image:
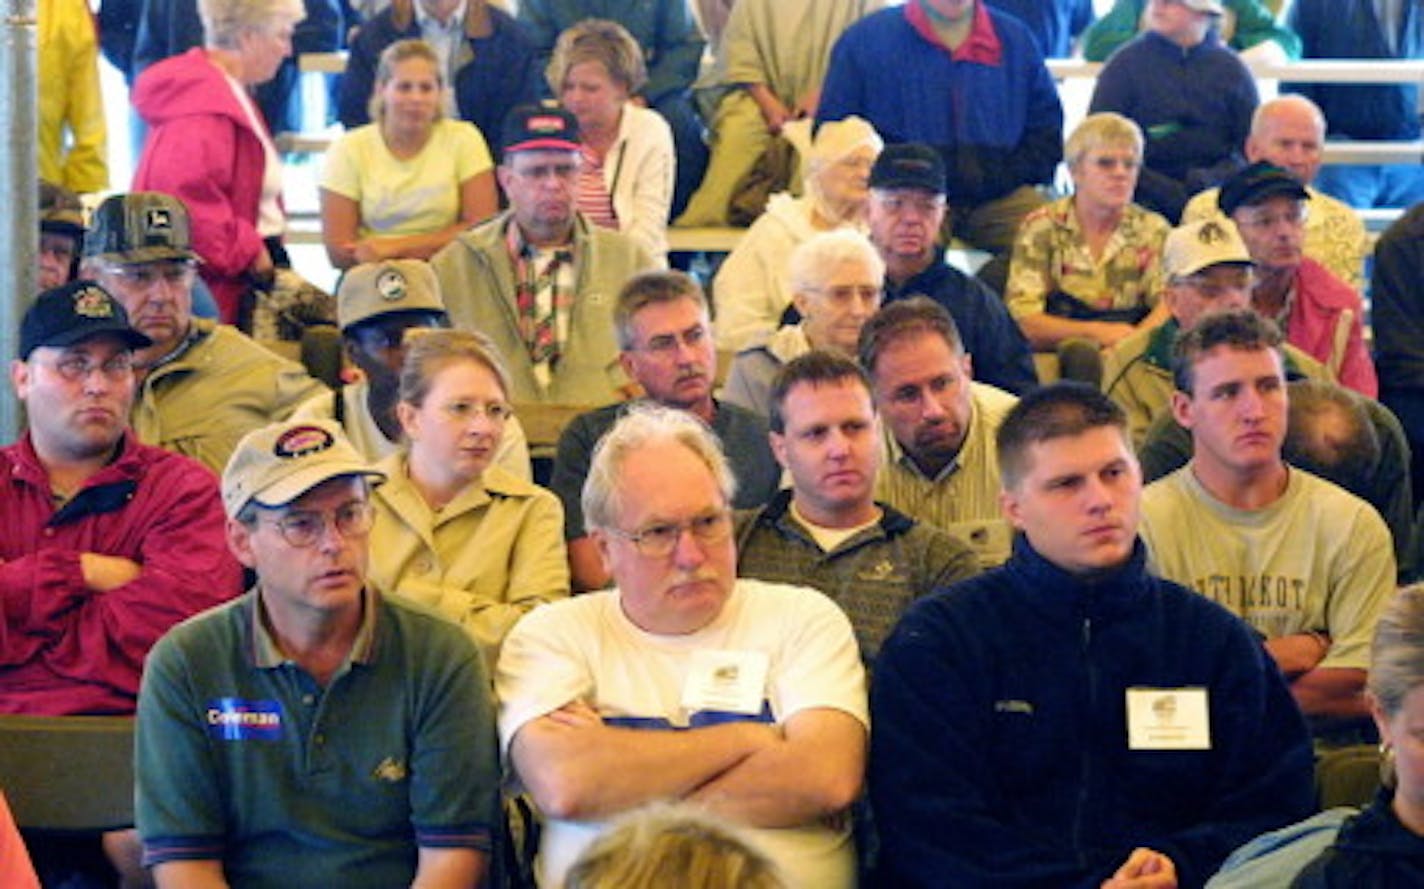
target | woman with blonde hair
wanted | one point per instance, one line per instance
(452, 531)
(405, 185)
(208, 146)
(628, 164)
(672, 845)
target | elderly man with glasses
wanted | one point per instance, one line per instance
(684, 682)
(201, 385)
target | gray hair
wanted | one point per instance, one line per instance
(640, 426)
(1263, 113)
(647, 289)
(1397, 658)
(602, 41)
(1097, 130)
(226, 20)
(816, 259)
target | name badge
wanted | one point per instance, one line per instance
(731, 681)
(1168, 719)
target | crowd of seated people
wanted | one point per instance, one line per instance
(856, 602)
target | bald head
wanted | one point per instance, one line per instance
(1289, 132)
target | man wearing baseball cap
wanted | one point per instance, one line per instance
(312, 733)
(906, 212)
(540, 280)
(1208, 269)
(201, 385)
(1318, 312)
(108, 542)
(61, 235)
(377, 305)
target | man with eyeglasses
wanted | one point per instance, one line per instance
(907, 210)
(312, 732)
(1319, 313)
(684, 682)
(540, 279)
(666, 347)
(377, 305)
(1208, 269)
(827, 530)
(201, 385)
(108, 542)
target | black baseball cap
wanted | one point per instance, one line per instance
(542, 126)
(63, 316)
(909, 165)
(1253, 184)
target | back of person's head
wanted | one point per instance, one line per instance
(643, 425)
(1062, 410)
(605, 42)
(224, 21)
(430, 350)
(1106, 129)
(815, 260)
(665, 845)
(1331, 435)
(1241, 329)
(393, 55)
(902, 318)
(647, 289)
(818, 367)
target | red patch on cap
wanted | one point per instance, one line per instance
(301, 441)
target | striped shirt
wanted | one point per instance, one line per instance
(593, 199)
(963, 498)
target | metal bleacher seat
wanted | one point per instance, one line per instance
(70, 773)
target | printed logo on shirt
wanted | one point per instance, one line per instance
(1013, 705)
(391, 770)
(238, 719)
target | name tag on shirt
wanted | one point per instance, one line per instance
(731, 681)
(1168, 719)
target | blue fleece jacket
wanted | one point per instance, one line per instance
(995, 115)
(1000, 756)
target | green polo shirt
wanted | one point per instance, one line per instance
(243, 757)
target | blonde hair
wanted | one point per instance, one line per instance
(428, 351)
(672, 845)
(602, 41)
(226, 20)
(393, 55)
(1097, 130)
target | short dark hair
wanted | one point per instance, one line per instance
(649, 288)
(816, 367)
(1242, 329)
(1059, 410)
(905, 317)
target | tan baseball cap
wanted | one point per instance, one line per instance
(276, 464)
(1198, 245)
(379, 288)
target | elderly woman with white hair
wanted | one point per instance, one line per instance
(207, 144)
(753, 289)
(837, 280)
(1089, 266)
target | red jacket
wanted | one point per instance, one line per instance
(65, 649)
(1321, 299)
(202, 148)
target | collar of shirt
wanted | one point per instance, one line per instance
(428, 23)
(981, 46)
(267, 654)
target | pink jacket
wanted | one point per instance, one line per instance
(1319, 327)
(202, 149)
(65, 649)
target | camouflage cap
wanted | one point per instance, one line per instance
(142, 226)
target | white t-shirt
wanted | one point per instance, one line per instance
(586, 649)
(1318, 559)
(411, 196)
